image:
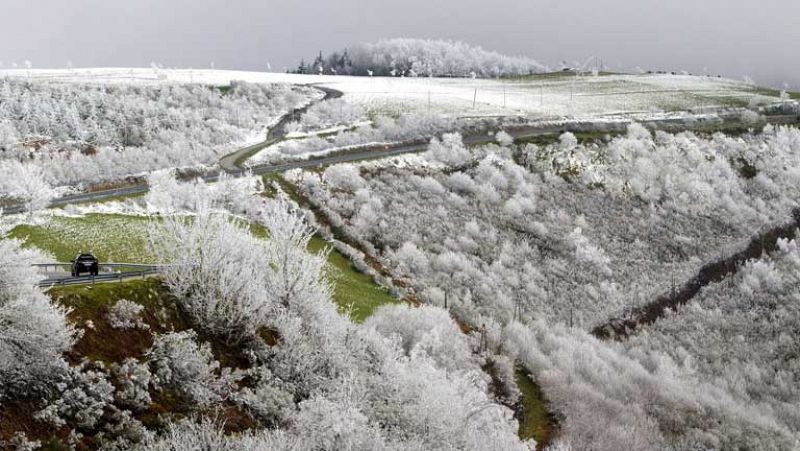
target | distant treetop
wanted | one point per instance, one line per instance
(419, 57)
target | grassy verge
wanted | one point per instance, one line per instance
(535, 421)
(354, 291)
(252, 150)
(113, 238)
(124, 238)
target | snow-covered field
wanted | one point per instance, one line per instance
(536, 96)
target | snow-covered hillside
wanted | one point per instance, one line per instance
(87, 132)
(538, 96)
(541, 244)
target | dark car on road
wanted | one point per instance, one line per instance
(85, 263)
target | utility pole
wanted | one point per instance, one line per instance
(673, 284)
(484, 341)
(541, 93)
(571, 308)
(474, 97)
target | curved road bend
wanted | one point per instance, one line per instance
(232, 161)
(521, 132)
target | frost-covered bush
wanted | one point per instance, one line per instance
(268, 399)
(132, 380)
(34, 333)
(503, 138)
(25, 183)
(343, 176)
(126, 314)
(331, 113)
(83, 133)
(428, 330)
(179, 363)
(82, 398)
(122, 432)
(505, 374)
(450, 150)
(213, 265)
(166, 195)
(20, 442)
(188, 435)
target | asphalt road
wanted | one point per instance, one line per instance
(366, 154)
(231, 162)
(374, 152)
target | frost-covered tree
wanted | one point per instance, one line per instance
(450, 150)
(178, 362)
(423, 57)
(212, 261)
(35, 333)
(428, 330)
(27, 183)
(86, 133)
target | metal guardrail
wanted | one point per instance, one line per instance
(119, 276)
(91, 280)
(102, 265)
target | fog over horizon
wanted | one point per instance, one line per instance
(729, 38)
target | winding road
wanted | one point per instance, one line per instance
(231, 163)
(231, 167)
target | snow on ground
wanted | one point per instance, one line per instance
(298, 150)
(326, 131)
(537, 96)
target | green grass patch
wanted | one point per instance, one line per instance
(247, 153)
(224, 89)
(112, 238)
(536, 422)
(122, 238)
(354, 292)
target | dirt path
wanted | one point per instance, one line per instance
(619, 329)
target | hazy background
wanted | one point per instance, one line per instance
(728, 37)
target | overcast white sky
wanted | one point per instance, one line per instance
(729, 37)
